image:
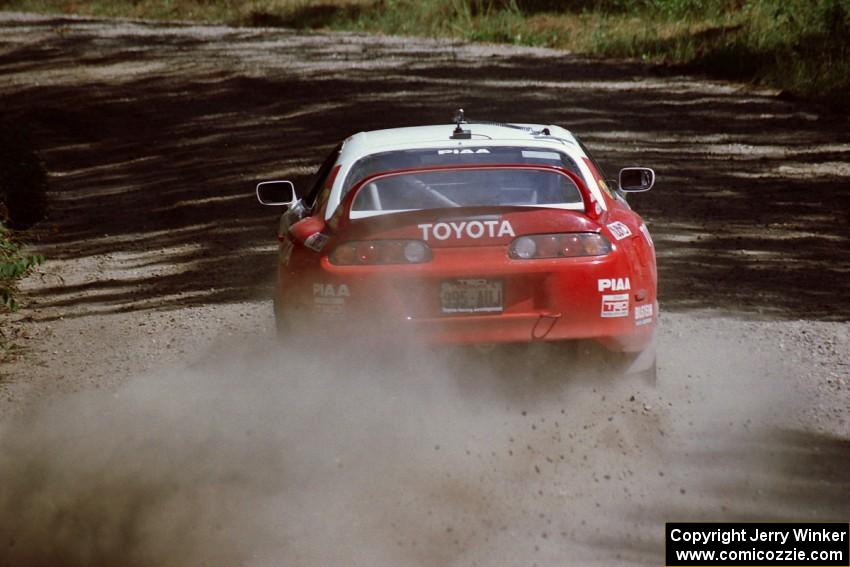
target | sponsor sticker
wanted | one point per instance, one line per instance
(615, 305)
(619, 230)
(613, 284)
(554, 156)
(316, 241)
(643, 314)
(329, 293)
(470, 229)
(645, 232)
(463, 151)
(328, 309)
(329, 299)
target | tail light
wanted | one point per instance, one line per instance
(370, 252)
(559, 246)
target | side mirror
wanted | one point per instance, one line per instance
(276, 193)
(636, 179)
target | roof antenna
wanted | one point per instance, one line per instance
(459, 133)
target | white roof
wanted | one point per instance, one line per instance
(365, 143)
(440, 136)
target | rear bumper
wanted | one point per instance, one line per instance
(477, 329)
(544, 300)
(529, 327)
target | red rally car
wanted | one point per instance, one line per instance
(469, 233)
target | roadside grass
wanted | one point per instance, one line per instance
(798, 46)
(14, 264)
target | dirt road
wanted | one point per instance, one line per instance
(152, 419)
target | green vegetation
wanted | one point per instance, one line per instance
(13, 266)
(801, 46)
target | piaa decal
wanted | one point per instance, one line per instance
(463, 151)
(330, 290)
(469, 229)
(613, 284)
(328, 299)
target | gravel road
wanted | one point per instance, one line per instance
(151, 419)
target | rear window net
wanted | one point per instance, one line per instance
(451, 188)
(411, 159)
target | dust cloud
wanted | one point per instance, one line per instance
(314, 455)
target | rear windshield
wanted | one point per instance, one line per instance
(466, 188)
(410, 159)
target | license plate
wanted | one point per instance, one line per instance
(471, 296)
